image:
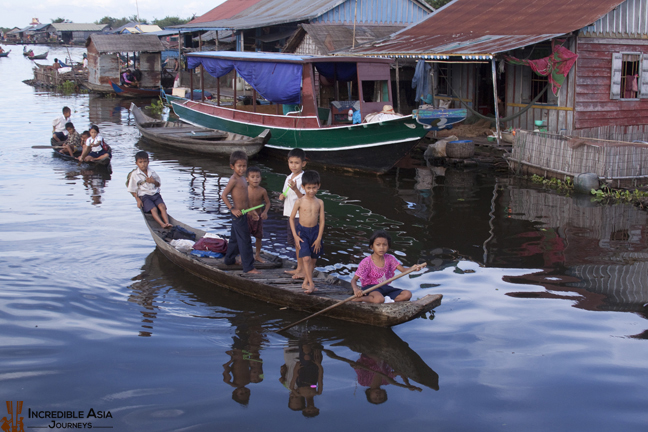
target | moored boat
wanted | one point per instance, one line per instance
(38, 56)
(318, 125)
(439, 119)
(5, 54)
(274, 286)
(134, 92)
(195, 139)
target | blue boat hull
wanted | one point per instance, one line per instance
(438, 119)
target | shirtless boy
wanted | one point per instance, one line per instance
(309, 229)
(237, 187)
(257, 196)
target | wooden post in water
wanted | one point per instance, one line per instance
(397, 88)
(497, 119)
(202, 71)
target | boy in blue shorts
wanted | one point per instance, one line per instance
(144, 185)
(308, 231)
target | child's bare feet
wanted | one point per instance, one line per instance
(253, 271)
(308, 287)
(166, 225)
(299, 275)
(259, 259)
(290, 272)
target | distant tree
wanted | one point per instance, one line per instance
(170, 21)
(118, 22)
(436, 4)
(58, 20)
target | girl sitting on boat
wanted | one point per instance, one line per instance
(94, 147)
(377, 268)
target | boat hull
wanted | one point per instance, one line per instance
(439, 119)
(374, 147)
(381, 315)
(134, 92)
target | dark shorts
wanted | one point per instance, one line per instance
(256, 227)
(291, 239)
(61, 136)
(150, 201)
(98, 154)
(308, 236)
(385, 290)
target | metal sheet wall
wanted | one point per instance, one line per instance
(374, 12)
(629, 19)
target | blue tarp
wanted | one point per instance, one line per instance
(341, 71)
(278, 82)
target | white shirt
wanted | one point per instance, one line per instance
(291, 198)
(59, 124)
(137, 183)
(95, 143)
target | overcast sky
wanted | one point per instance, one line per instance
(19, 13)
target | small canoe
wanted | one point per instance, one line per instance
(196, 139)
(39, 56)
(5, 54)
(133, 92)
(102, 163)
(438, 119)
(274, 286)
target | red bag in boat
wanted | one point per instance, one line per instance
(211, 244)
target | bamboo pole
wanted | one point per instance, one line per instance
(497, 119)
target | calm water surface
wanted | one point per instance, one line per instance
(542, 327)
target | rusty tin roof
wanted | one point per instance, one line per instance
(487, 27)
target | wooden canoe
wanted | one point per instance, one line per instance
(133, 92)
(276, 287)
(196, 139)
(5, 54)
(39, 56)
(102, 163)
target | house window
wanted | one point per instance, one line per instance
(630, 76)
(538, 83)
(443, 83)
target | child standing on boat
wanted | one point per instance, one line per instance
(377, 268)
(239, 241)
(292, 191)
(144, 185)
(309, 228)
(258, 196)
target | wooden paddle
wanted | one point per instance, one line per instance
(45, 147)
(368, 290)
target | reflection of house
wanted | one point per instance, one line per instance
(104, 63)
(604, 249)
(605, 95)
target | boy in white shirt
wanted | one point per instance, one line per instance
(144, 185)
(292, 191)
(59, 133)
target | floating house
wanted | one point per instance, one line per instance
(104, 63)
(76, 33)
(584, 72)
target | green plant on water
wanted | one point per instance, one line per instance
(156, 107)
(608, 195)
(67, 87)
(554, 183)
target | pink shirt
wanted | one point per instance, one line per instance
(370, 274)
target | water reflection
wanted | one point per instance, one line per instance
(303, 375)
(93, 178)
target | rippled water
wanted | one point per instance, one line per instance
(542, 326)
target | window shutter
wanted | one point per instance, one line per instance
(615, 87)
(643, 77)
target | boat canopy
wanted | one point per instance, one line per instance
(275, 76)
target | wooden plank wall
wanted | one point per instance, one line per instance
(595, 111)
(558, 114)
(462, 80)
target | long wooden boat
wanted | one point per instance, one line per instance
(133, 92)
(5, 54)
(39, 56)
(439, 119)
(65, 156)
(322, 129)
(276, 287)
(195, 139)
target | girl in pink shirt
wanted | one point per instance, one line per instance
(377, 268)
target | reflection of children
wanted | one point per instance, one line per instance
(243, 368)
(309, 227)
(374, 393)
(292, 191)
(257, 196)
(307, 381)
(377, 268)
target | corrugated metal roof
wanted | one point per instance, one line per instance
(329, 38)
(61, 27)
(469, 27)
(246, 14)
(125, 43)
